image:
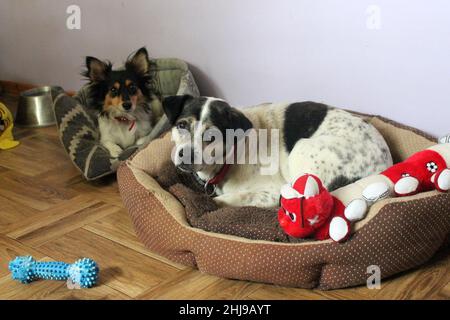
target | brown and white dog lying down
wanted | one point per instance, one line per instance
(249, 169)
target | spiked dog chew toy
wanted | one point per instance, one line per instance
(6, 126)
(308, 209)
(84, 272)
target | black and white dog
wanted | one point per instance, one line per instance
(128, 107)
(307, 137)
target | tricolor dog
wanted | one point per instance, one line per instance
(127, 106)
(307, 137)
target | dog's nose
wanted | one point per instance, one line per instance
(126, 105)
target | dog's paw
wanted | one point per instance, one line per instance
(142, 141)
(114, 150)
(222, 202)
(228, 200)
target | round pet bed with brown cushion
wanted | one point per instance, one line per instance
(247, 244)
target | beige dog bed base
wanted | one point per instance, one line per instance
(397, 234)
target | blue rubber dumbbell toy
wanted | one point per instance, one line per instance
(84, 272)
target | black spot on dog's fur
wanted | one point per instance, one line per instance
(340, 181)
(179, 107)
(301, 121)
(225, 117)
(194, 108)
(173, 106)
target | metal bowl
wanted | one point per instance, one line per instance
(36, 107)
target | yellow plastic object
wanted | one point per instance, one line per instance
(6, 126)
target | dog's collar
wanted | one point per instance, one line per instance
(210, 185)
(125, 120)
(218, 178)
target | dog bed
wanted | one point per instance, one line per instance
(177, 221)
(78, 128)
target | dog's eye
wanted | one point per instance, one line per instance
(114, 92)
(132, 89)
(182, 125)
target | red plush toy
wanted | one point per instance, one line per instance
(308, 209)
(424, 171)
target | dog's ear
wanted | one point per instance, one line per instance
(97, 70)
(173, 105)
(238, 120)
(139, 62)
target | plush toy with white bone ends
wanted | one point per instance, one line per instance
(309, 210)
(423, 171)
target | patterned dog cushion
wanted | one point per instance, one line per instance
(78, 128)
(178, 223)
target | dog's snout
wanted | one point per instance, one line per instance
(187, 156)
(126, 105)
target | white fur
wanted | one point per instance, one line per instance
(117, 136)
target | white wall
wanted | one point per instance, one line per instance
(251, 51)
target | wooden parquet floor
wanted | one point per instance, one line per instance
(47, 210)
